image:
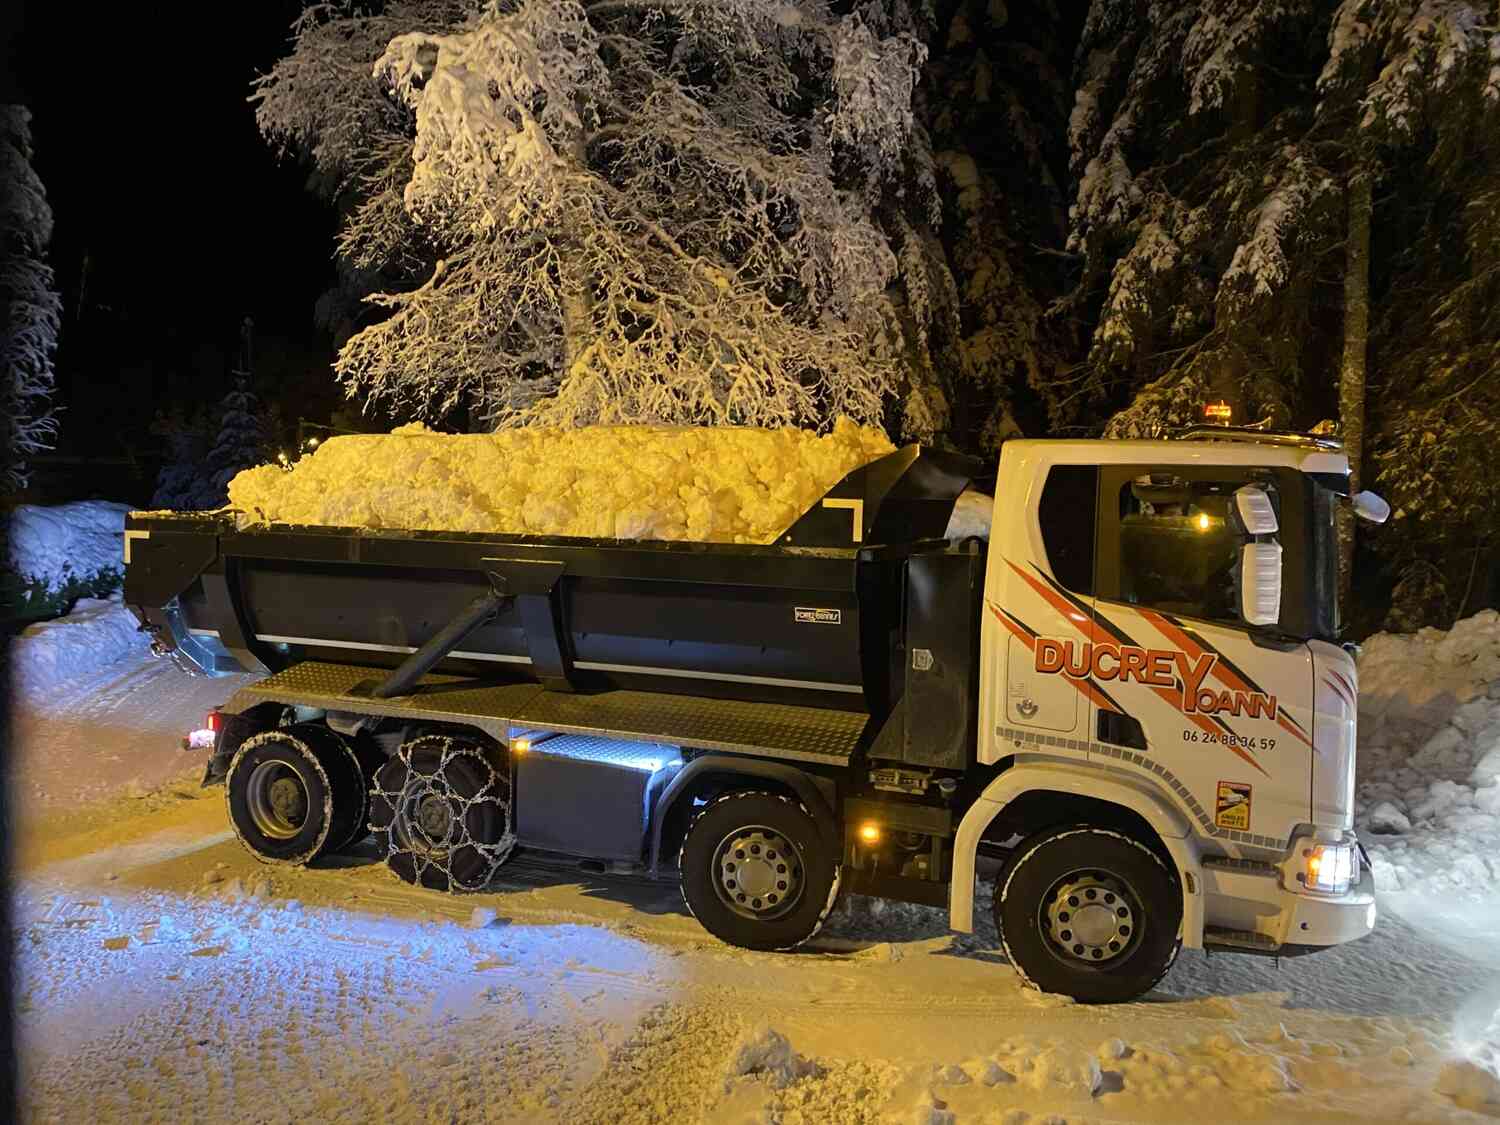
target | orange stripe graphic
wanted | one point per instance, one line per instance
(1224, 675)
(1094, 633)
(1338, 690)
(1194, 650)
(1084, 687)
(1081, 622)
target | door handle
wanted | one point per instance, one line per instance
(1027, 708)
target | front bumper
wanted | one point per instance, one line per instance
(1262, 908)
(1324, 920)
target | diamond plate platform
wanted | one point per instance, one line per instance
(807, 734)
(436, 697)
(761, 729)
(626, 754)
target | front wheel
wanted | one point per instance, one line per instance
(756, 871)
(1089, 913)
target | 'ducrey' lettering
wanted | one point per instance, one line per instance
(1106, 661)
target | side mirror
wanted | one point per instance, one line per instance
(1260, 583)
(1368, 506)
(1255, 510)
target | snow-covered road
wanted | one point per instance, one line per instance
(165, 975)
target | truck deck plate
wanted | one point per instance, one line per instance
(437, 697)
(763, 729)
(808, 734)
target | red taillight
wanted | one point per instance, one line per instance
(214, 722)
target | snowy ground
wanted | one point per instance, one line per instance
(165, 975)
(99, 716)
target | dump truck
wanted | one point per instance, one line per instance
(1131, 693)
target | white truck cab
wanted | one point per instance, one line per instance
(1159, 634)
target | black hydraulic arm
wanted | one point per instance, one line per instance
(481, 610)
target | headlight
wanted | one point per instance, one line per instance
(1330, 869)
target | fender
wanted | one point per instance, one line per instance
(810, 791)
(1084, 781)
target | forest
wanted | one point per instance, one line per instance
(967, 220)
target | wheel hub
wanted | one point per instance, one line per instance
(287, 799)
(435, 818)
(759, 873)
(1092, 917)
(276, 798)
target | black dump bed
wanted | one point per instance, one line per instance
(826, 617)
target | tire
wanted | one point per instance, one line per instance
(1089, 913)
(440, 812)
(758, 831)
(352, 823)
(294, 794)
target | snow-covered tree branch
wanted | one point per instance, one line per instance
(621, 211)
(33, 309)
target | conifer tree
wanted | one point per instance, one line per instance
(32, 307)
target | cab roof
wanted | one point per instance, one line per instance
(1303, 452)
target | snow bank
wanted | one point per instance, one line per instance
(726, 484)
(51, 545)
(95, 634)
(1428, 775)
(764, 1051)
(972, 513)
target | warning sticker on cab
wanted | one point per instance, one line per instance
(1232, 806)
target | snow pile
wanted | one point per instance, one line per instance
(1471, 1086)
(54, 545)
(98, 632)
(725, 484)
(972, 513)
(1428, 780)
(766, 1052)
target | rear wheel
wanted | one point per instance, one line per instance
(1089, 913)
(756, 871)
(440, 812)
(294, 794)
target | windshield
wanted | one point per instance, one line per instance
(1178, 546)
(1171, 540)
(1323, 562)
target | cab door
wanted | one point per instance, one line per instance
(1219, 711)
(1038, 594)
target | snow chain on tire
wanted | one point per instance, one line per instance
(429, 807)
(740, 794)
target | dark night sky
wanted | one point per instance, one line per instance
(150, 156)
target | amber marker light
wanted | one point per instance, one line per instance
(869, 832)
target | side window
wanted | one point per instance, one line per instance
(1179, 545)
(1066, 514)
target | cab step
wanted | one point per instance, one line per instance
(1239, 941)
(1241, 866)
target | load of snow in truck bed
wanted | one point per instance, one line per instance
(722, 484)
